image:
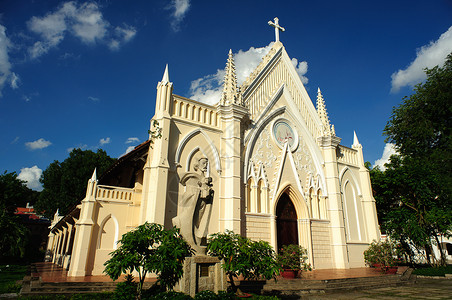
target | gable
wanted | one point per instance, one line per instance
(275, 73)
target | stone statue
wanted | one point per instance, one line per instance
(195, 206)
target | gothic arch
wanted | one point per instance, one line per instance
(189, 136)
(297, 199)
(342, 174)
(109, 218)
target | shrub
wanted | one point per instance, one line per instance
(385, 253)
(293, 257)
(242, 256)
(150, 249)
(206, 295)
(126, 290)
(170, 295)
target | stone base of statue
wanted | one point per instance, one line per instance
(202, 273)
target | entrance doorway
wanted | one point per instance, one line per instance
(286, 222)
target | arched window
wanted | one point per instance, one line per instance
(249, 194)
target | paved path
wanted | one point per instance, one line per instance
(422, 289)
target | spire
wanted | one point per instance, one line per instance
(94, 177)
(165, 78)
(231, 93)
(355, 140)
(321, 111)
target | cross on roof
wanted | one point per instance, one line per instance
(277, 28)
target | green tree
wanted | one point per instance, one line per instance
(413, 193)
(13, 193)
(65, 183)
(150, 249)
(242, 256)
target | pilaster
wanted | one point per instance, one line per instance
(231, 117)
(155, 180)
(84, 230)
(370, 210)
(329, 145)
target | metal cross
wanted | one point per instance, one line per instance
(277, 28)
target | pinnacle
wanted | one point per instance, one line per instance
(231, 92)
(165, 78)
(323, 115)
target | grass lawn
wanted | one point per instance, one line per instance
(9, 274)
(441, 271)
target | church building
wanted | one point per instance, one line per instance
(263, 162)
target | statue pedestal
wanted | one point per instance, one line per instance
(202, 273)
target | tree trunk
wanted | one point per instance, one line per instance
(442, 261)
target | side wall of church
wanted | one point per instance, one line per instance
(113, 220)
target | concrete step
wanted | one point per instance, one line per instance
(34, 286)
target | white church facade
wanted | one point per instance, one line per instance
(263, 162)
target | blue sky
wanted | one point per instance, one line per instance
(83, 73)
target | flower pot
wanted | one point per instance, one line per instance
(289, 274)
(377, 266)
(391, 270)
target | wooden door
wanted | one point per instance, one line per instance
(286, 222)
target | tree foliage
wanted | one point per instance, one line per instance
(13, 235)
(413, 193)
(150, 249)
(242, 256)
(65, 183)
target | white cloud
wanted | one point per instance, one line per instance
(104, 141)
(301, 68)
(129, 149)
(15, 80)
(80, 146)
(428, 56)
(122, 36)
(131, 140)
(95, 99)
(88, 23)
(31, 177)
(84, 21)
(38, 144)
(5, 64)
(15, 140)
(387, 152)
(179, 8)
(209, 88)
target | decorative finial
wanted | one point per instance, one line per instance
(277, 28)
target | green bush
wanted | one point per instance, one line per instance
(126, 290)
(206, 295)
(171, 295)
(385, 253)
(241, 256)
(9, 274)
(91, 296)
(261, 297)
(293, 257)
(440, 271)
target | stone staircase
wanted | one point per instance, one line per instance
(283, 288)
(296, 288)
(33, 286)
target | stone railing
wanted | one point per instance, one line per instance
(347, 156)
(195, 111)
(111, 193)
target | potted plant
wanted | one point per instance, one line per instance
(292, 259)
(384, 255)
